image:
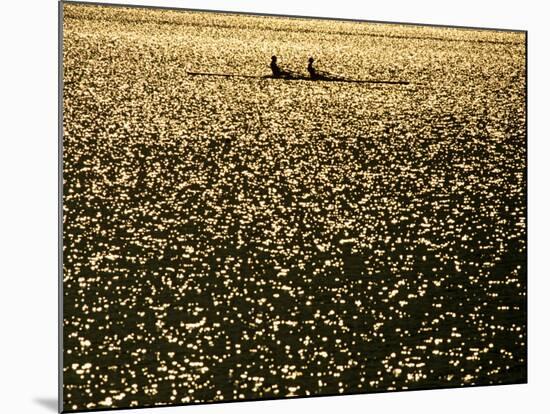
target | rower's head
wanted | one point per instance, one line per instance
(274, 58)
(310, 60)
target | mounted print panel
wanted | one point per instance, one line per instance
(259, 207)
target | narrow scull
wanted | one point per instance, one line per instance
(298, 77)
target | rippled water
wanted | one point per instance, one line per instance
(230, 238)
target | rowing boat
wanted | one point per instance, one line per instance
(298, 78)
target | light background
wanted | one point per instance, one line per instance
(28, 204)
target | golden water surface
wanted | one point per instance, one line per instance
(234, 238)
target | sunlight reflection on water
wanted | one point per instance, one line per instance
(254, 238)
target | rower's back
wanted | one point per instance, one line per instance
(274, 67)
(311, 70)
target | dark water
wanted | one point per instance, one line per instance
(243, 239)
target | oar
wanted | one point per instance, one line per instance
(225, 75)
(344, 79)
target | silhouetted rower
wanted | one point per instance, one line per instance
(277, 71)
(311, 69)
